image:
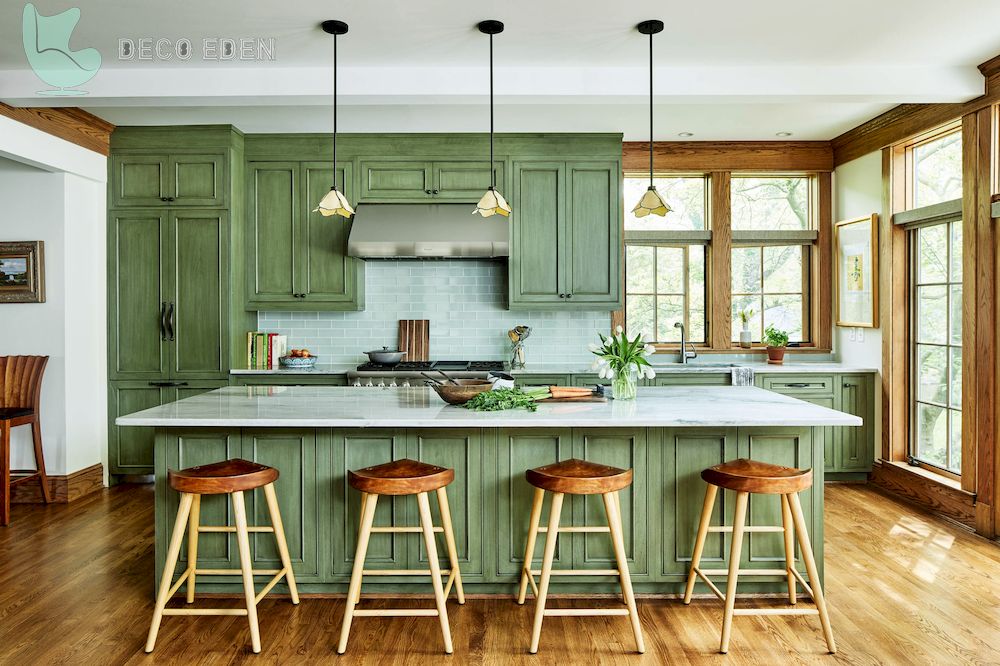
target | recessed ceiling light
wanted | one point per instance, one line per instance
(782, 134)
(685, 134)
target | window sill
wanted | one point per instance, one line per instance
(664, 349)
(925, 474)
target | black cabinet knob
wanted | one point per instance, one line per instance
(562, 295)
(164, 199)
(427, 191)
(569, 295)
(437, 191)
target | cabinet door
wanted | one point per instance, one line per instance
(592, 248)
(589, 379)
(137, 294)
(328, 274)
(139, 180)
(383, 179)
(519, 450)
(198, 180)
(130, 450)
(855, 444)
(692, 378)
(199, 286)
(465, 181)
(535, 268)
(830, 442)
(541, 380)
(273, 214)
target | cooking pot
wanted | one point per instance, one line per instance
(386, 356)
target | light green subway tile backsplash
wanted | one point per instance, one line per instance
(465, 302)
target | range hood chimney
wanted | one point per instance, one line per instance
(426, 231)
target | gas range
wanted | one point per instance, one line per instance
(408, 373)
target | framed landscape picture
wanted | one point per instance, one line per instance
(22, 272)
(856, 271)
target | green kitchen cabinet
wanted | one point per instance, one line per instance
(296, 258)
(589, 379)
(541, 379)
(169, 291)
(287, 380)
(465, 180)
(565, 236)
(176, 179)
(690, 379)
(855, 445)
(417, 180)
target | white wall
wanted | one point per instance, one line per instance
(55, 191)
(858, 192)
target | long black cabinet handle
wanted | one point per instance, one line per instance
(167, 384)
(802, 385)
(170, 321)
(163, 320)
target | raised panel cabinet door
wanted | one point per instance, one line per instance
(465, 181)
(139, 180)
(589, 379)
(624, 448)
(198, 180)
(198, 309)
(273, 211)
(685, 453)
(138, 294)
(384, 179)
(356, 449)
(293, 453)
(535, 379)
(328, 274)
(519, 450)
(831, 444)
(535, 267)
(460, 450)
(855, 444)
(692, 379)
(130, 450)
(593, 245)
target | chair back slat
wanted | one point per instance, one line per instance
(21, 380)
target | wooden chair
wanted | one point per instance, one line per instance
(231, 477)
(20, 398)
(745, 477)
(404, 477)
(576, 477)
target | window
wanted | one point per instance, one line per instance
(936, 345)
(770, 203)
(665, 260)
(936, 170)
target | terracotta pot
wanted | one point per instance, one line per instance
(776, 355)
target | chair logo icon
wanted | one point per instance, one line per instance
(46, 44)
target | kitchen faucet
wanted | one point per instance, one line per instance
(685, 354)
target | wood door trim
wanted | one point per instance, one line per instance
(68, 123)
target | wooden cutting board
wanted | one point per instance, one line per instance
(588, 398)
(415, 339)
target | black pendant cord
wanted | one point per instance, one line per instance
(493, 175)
(334, 112)
(651, 110)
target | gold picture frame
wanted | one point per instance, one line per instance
(855, 278)
(22, 272)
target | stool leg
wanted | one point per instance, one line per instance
(279, 538)
(361, 522)
(4, 473)
(449, 539)
(192, 554)
(617, 540)
(699, 542)
(529, 548)
(173, 550)
(43, 479)
(739, 522)
(246, 567)
(786, 523)
(427, 523)
(543, 585)
(807, 555)
(354, 591)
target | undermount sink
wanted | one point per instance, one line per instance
(694, 366)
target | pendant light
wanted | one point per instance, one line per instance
(334, 203)
(651, 201)
(492, 202)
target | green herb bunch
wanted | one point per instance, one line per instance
(775, 337)
(508, 398)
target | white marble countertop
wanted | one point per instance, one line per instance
(347, 407)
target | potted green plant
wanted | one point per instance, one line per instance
(622, 361)
(746, 337)
(776, 341)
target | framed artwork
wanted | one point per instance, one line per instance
(856, 271)
(22, 272)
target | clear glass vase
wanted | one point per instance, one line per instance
(623, 386)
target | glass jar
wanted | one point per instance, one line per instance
(623, 386)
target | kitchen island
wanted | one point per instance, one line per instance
(313, 435)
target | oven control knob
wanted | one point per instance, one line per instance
(406, 383)
(392, 383)
(381, 383)
(357, 382)
(369, 384)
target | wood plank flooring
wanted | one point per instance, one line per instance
(903, 587)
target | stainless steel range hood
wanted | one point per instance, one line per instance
(426, 231)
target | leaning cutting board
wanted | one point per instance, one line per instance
(415, 339)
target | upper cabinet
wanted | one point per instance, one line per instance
(393, 180)
(296, 258)
(565, 235)
(169, 179)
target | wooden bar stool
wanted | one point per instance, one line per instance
(404, 477)
(745, 477)
(20, 398)
(233, 478)
(576, 477)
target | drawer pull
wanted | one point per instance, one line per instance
(168, 384)
(802, 384)
(849, 385)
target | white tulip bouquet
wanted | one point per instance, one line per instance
(622, 360)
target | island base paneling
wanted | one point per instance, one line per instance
(490, 501)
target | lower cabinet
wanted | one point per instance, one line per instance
(288, 380)
(690, 378)
(541, 379)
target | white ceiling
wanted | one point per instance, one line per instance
(725, 70)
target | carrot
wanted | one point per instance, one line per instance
(569, 392)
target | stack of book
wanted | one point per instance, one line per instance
(264, 350)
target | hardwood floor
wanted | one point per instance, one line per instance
(903, 587)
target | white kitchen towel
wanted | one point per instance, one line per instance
(742, 376)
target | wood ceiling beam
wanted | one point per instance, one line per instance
(68, 123)
(705, 156)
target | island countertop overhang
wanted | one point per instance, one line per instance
(419, 407)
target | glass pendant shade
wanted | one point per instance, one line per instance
(651, 203)
(334, 203)
(492, 204)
